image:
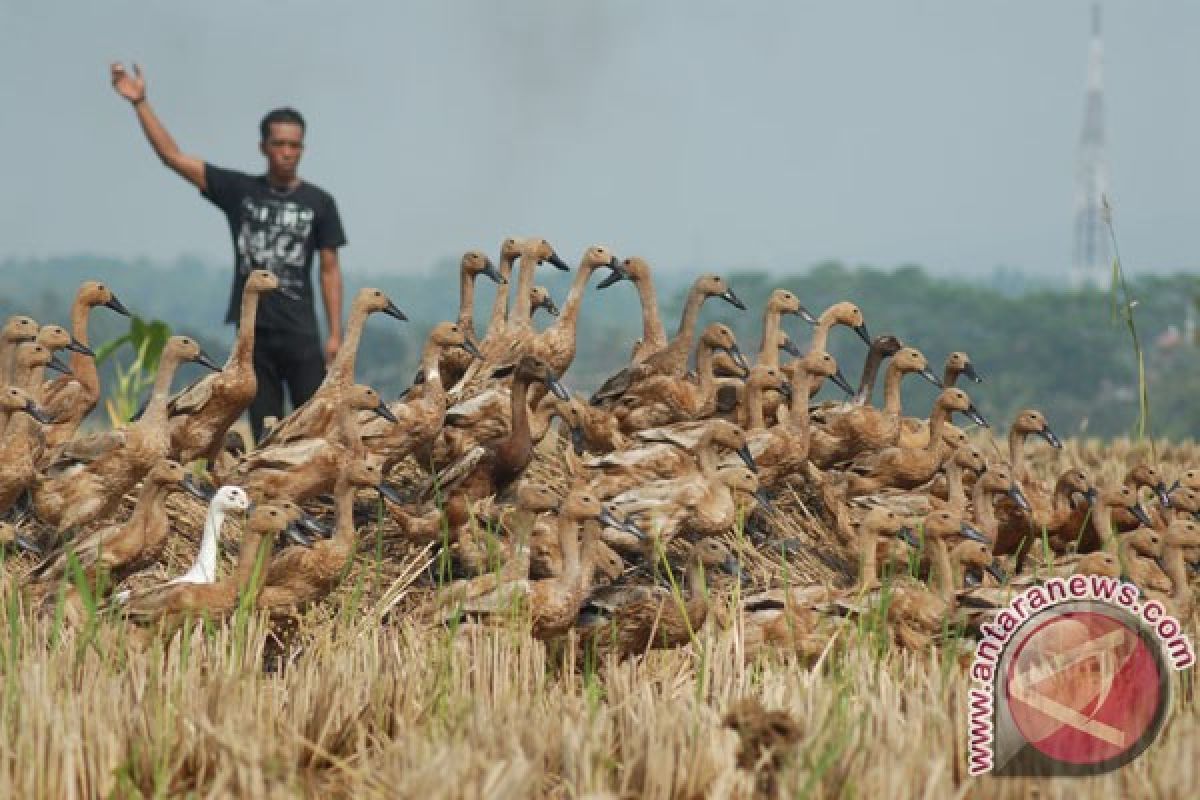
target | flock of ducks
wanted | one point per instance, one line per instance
(672, 469)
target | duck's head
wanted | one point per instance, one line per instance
(582, 504)
(1099, 563)
(55, 337)
(476, 262)
(959, 363)
(19, 328)
(957, 400)
(821, 365)
(783, 301)
(536, 497)
(732, 437)
(764, 376)
(1125, 497)
(942, 524)
(370, 300)
(539, 298)
(14, 399)
(260, 281)
(361, 397)
(1030, 420)
(450, 334)
(712, 285)
(977, 555)
(300, 523)
(850, 315)
(1075, 481)
(542, 251)
(634, 269)
(886, 345)
(167, 473)
(95, 293)
(998, 479)
(231, 500)
(1145, 542)
(884, 522)
(185, 348)
(1182, 533)
(10, 536)
(718, 336)
(784, 342)
(598, 256)
(1186, 500)
(970, 457)
(1145, 475)
(910, 359)
(532, 368)
(713, 553)
(271, 521)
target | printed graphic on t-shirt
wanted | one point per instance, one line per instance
(272, 237)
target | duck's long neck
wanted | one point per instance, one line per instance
(520, 411)
(431, 357)
(1016, 450)
(523, 310)
(891, 389)
(697, 601)
(568, 541)
(687, 323)
(206, 558)
(956, 495)
(8, 350)
(343, 508)
(250, 576)
(768, 352)
(243, 348)
(945, 571)
(870, 372)
(653, 332)
(1175, 566)
(1102, 524)
(341, 371)
(543, 415)
(754, 408)
(985, 513)
(149, 503)
(705, 376)
(950, 376)
(498, 321)
(155, 415)
(825, 323)
(798, 419)
(868, 560)
(83, 367)
(349, 432)
(568, 318)
(466, 301)
(1062, 496)
(937, 421)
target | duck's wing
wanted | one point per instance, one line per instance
(606, 601)
(501, 600)
(682, 434)
(455, 474)
(489, 403)
(86, 449)
(313, 418)
(193, 398)
(87, 550)
(283, 456)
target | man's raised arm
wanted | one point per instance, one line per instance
(133, 88)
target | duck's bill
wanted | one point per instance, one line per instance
(969, 371)
(747, 457)
(1140, 514)
(1050, 437)
(1174, 486)
(578, 443)
(313, 525)
(1164, 496)
(789, 347)
(970, 532)
(558, 263)
(787, 391)
(928, 375)
(997, 572)
(203, 360)
(729, 297)
(863, 334)
(909, 537)
(405, 393)
(57, 365)
(738, 357)
(976, 417)
(733, 567)
(77, 346)
(839, 380)
(471, 348)
(38, 413)
(971, 580)
(764, 500)
(490, 270)
(806, 315)
(1091, 495)
(606, 518)
(383, 411)
(392, 311)
(1019, 498)
(197, 489)
(617, 275)
(633, 530)
(117, 306)
(559, 390)
(550, 308)
(298, 536)
(389, 493)
(27, 545)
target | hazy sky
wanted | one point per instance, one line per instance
(699, 134)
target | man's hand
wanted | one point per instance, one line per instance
(131, 87)
(332, 345)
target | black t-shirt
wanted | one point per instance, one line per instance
(276, 230)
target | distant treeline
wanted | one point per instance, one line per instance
(1065, 352)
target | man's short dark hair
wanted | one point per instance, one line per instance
(287, 116)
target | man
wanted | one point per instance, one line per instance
(277, 221)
